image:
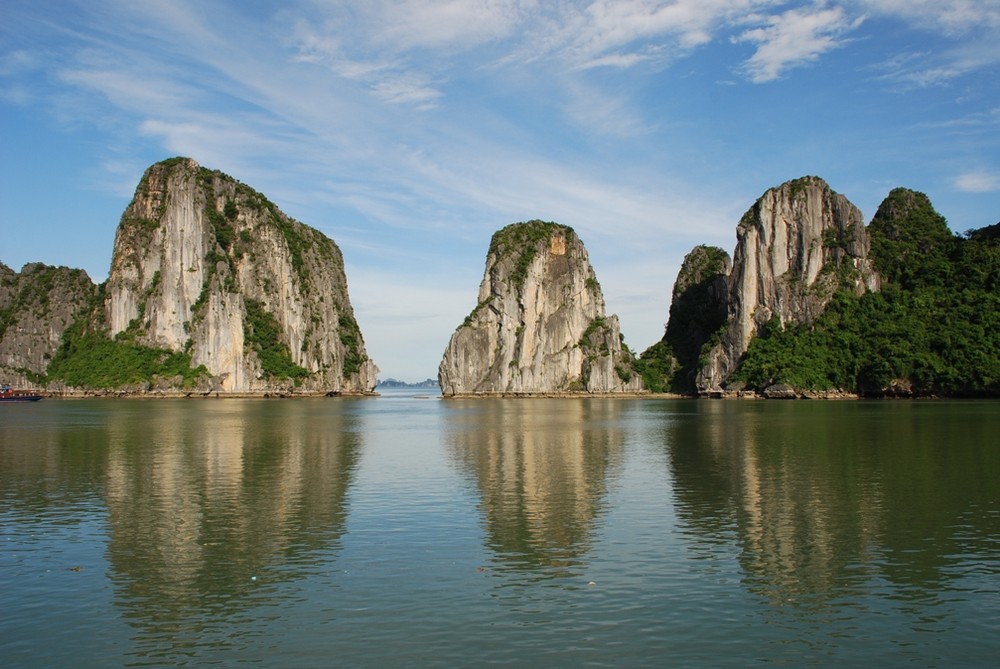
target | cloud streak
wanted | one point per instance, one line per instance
(793, 39)
(978, 182)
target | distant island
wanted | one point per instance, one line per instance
(396, 383)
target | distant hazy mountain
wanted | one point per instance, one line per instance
(396, 383)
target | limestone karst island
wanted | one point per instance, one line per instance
(214, 291)
(211, 289)
(539, 326)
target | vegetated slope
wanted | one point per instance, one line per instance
(933, 329)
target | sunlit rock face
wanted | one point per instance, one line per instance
(794, 247)
(539, 325)
(205, 264)
(37, 304)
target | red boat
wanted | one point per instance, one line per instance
(8, 394)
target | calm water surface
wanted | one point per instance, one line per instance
(411, 531)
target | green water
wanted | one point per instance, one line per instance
(411, 531)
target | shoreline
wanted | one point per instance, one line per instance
(196, 395)
(746, 395)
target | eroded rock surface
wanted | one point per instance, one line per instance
(540, 325)
(794, 247)
(36, 307)
(204, 264)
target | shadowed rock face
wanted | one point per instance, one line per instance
(794, 247)
(539, 325)
(36, 307)
(205, 264)
(698, 308)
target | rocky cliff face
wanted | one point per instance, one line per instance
(698, 308)
(36, 307)
(539, 326)
(794, 247)
(207, 265)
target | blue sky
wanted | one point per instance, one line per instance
(410, 130)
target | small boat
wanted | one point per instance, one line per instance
(8, 394)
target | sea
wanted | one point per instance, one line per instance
(407, 530)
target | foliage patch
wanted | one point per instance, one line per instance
(89, 359)
(262, 334)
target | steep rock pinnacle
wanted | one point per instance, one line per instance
(539, 326)
(204, 264)
(794, 247)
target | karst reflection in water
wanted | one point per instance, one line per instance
(401, 531)
(834, 503)
(542, 470)
(211, 508)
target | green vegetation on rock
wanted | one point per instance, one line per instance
(658, 367)
(36, 285)
(350, 337)
(262, 334)
(522, 241)
(594, 339)
(911, 243)
(697, 314)
(87, 358)
(934, 328)
(470, 319)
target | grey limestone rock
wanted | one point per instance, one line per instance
(795, 246)
(36, 307)
(539, 326)
(202, 262)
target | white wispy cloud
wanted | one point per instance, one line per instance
(794, 38)
(980, 181)
(385, 75)
(956, 59)
(988, 120)
(18, 62)
(953, 17)
(614, 114)
(967, 30)
(626, 33)
(413, 89)
(128, 87)
(444, 24)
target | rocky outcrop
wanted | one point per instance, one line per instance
(539, 326)
(794, 248)
(36, 307)
(206, 265)
(911, 241)
(698, 308)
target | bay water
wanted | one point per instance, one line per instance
(410, 531)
